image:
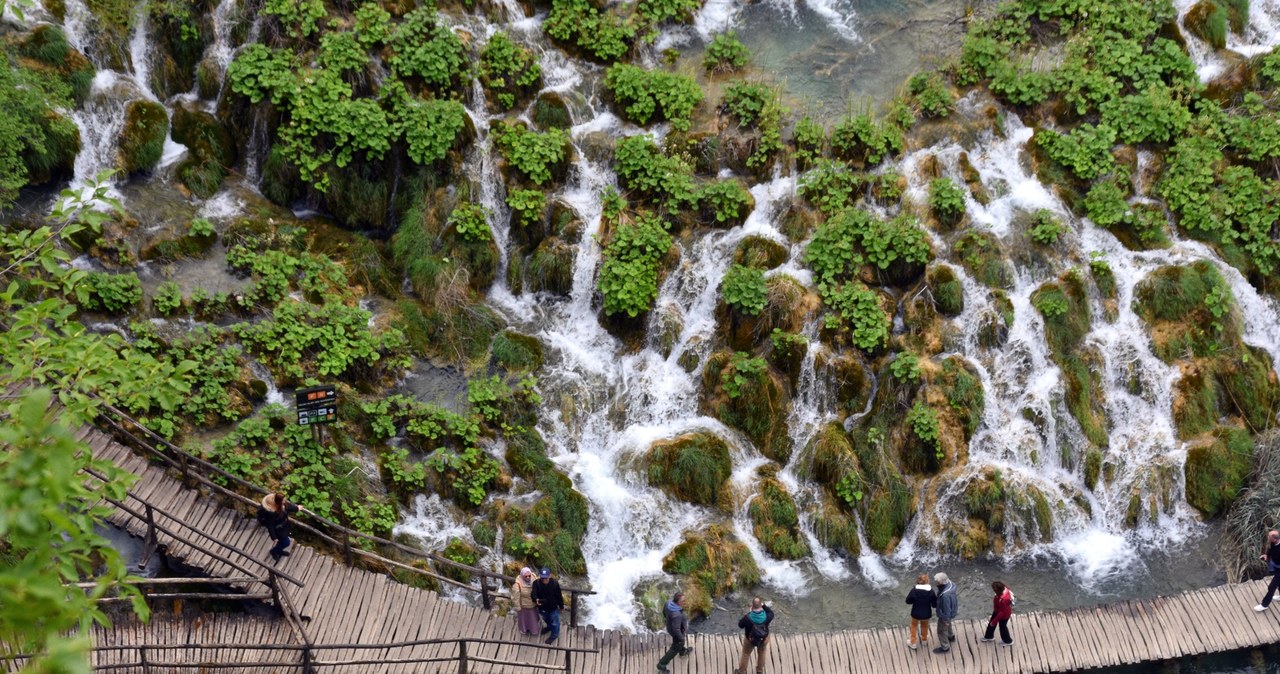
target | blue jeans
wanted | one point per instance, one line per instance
(552, 619)
(281, 543)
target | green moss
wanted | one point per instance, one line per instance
(513, 351)
(980, 253)
(886, 515)
(693, 467)
(759, 408)
(759, 252)
(832, 459)
(557, 521)
(461, 552)
(1216, 471)
(550, 267)
(1250, 385)
(836, 529)
(947, 291)
(775, 522)
(715, 561)
(964, 393)
(212, 151)
(984, 498)
(1208, 20)
(146, 123)
(1085, 396)
(1196, 403)
(1092, 466)
(1189, 310)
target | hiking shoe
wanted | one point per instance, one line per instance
(1260, 608)
(686, 651)
(663, 668)
(545, 630)
(951, 638)
(986, 639)
(549, 641)
(912, 646)
(1006, 643)
(941, 650)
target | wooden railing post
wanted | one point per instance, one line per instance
(142, 656)
(573, 610)
(462, 656)
(568, 662)
(485, 599)
(307, 667)
(186, 471)
(274, 584)
(149, 543)
(346, 549)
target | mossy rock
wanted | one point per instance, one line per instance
(947, 291)
(212, 150)
(1064, 306)
(968, 539)
(515, 352)
(851, 376)
(1249, 382)
(552, 528)
(55, 159)
(1033, 513)
(1208, 20)
(1196, 401)
(551, 112)
(1178, 304)
(1218, 469)
(775, 522)
(984, 498)
(694, 467)
(759, 252)
(360, 195)
(799, 221)
(836, 529)
(716, 563)
(45, 50)
(755, 403)
(789, 305)
(885, 514)
(1092, 467)
(550, 267)
(184, 246)
(281, 182)
(461, 552)
(982, 255)
(146, 123)
(962, 387)
(831, 459)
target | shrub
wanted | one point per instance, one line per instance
(658, 11)
(1152, 116)
(1105, 204)
(508, 71)
(858, 138)
(532, 153)
(947, 200)
(629, 273)
(1046, 228)
(744, 289)
(725, 54)
(932, 94)
(471, 222)
(527, 206)
(425, 48)
(854, 237)
(646, 93)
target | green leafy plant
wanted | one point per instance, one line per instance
(508, 70)
(168, 298)
(906, 366)
(947, 200)
(1105, 204)
(299, 18)
(424, 47)
(924, 424)
(1085, 151)
(745, 371)
(1046, 228)
(746, 101)
(471, 222)
(831, 186)
(859, 138)
(744, 289)
(725, 201)
(532, 153)
(725, 54)
(602, 34)
(431, 129)
(372, 25)
(645, 94)
(527, 206)
(629, 275)
(855, 308)
(112, 293)
(809, 137)
(202, 228)
(932, 94)
(658, 11)
(662, 180)
(342, 52)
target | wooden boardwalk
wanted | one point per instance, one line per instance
(344, 605)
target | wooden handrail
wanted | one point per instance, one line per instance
(187, 459)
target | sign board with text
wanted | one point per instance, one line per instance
(317, 405)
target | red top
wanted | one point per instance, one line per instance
(1002, 606)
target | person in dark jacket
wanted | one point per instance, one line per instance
(948, 606)
(274, 515)
(1001, 612)
(1271, 555)
(922, 600)
(755, 635)
(547, 595)
(678, 628)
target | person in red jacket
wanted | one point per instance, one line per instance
(1002, 610)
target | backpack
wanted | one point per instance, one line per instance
(1013, 601)
(265, 518)
(757, 633)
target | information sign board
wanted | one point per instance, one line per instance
(317, 405)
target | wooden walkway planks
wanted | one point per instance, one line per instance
(347, 605)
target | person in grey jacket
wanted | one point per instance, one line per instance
(948, 605)
(678, 628)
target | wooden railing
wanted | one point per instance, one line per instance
(193, 469)
(308, 658)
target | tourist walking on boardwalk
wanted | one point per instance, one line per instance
(1271, 555)
(755, 635)
(1001, 611)
(546, 594)
(678, 628)
(274, 515)
(522, 600)
(948, 605)
(922, 600)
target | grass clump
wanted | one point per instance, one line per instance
(694, 468)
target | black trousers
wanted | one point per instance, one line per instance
(1004, 629)
(1271, 589)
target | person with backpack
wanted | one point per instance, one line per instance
(948, 606)
(1271, 555)
(755, 635)
(678, 628)
(1001, 611)
(273, 513)
(922, 600)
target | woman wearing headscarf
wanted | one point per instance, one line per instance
(522, 600)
